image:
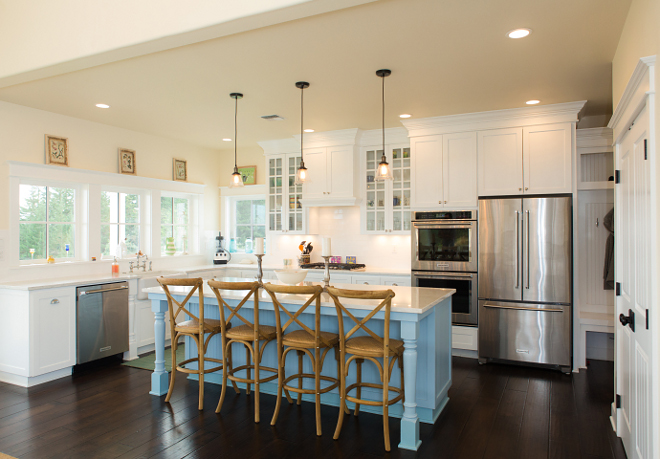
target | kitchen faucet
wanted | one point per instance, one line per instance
(139, 264)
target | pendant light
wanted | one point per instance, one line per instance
(384, 171)
(236, 177)
(302, 175)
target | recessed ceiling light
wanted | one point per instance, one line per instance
(532, 102)
(226, 140)
(102, 105)
(518, 33)
(309, 130)
(405, 115)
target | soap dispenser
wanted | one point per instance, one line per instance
(115, 268)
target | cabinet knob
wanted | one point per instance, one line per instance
(394, 284)
(526, 188)
(366, 283)
(54, 301)
(439, 202)
(445, 202)
(519, 189)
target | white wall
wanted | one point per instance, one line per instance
(93, 146)
(342, 224)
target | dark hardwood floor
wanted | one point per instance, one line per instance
(495, 411)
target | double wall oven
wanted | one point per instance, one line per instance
(444, 255)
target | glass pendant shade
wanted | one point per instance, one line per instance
(236, 179)
(301, 174)
(384, 171)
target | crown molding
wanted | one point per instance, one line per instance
(601, 137)
(639, 87)
(329, 138)
(375, 136)
(277, 147)
(513, 117)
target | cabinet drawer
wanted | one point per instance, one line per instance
(396, 281)
(367, 280)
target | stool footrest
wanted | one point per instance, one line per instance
(323, 390)
(373, 402)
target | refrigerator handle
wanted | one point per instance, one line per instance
(517, 249)
(527, 212)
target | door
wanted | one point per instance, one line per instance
(500, 249)
(427, 179)
(315, 162)
(547, 250)
(500, 162)
(547, 159)
(633, 251)
(459, 167)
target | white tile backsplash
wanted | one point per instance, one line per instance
(342, 224)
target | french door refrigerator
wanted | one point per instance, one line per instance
(525, 280)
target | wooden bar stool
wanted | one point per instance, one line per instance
(371, 347)
(250, 334)
(196, 328)
(302, 341)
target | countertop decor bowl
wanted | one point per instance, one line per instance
(291, 276)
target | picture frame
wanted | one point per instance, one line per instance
(180, 170)
(127, 161)
(249, 174)
(57, 150)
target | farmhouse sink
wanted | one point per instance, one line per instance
(149, 279)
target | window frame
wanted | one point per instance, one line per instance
(192, 226)
(80, 190)
(232, 224)
(144, 219)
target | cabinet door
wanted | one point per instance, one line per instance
(499, 157)
(294, 211)
(459, 167)
(376, 195)
(53, 330)
(315, 162)
(427, 179)
(401, 184)
(275, 193)
(340, 171)
(547, 159)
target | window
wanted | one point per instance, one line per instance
(120, 221)
(174, 219)
(47, 224)
(249, 222)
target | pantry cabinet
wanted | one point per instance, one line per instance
(529, 160)
(445, 171)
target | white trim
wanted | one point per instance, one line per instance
(329, 138)
(374, 137)
(496, 119)
(46, 172)
(250, 190)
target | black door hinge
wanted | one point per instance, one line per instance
(618, 401)
(618, 289)
(647, 319)
(646, 149)
(617, 176)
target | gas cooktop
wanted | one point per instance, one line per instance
(336, 266)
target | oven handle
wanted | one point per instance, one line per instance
(469, 225)
(494, 306)
(444, 276)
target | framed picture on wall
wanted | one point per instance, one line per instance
(57, 150)
(249, 174)
(180, 167)
(126, 161)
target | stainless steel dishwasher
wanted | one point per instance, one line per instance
(101, 320)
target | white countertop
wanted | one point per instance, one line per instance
(368, 270)
(73, 281)
(412, 300)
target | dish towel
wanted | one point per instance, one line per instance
(608, 270)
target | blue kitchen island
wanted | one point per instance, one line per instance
(421, 317)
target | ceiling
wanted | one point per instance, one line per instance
(446, 56)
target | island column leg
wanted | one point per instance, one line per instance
(410, 422)
(159, 380)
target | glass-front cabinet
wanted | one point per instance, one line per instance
(386, 207)
(285, 211)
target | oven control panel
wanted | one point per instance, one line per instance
(446, 215)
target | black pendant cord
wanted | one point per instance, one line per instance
(383, 117)
(235, 132)
(302, 91)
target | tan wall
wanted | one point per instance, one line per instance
(93, 146)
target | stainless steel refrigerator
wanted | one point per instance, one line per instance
(525, 280)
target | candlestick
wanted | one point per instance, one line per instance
(326, 272)
(260, 272)
(258, 245)
(326, 247)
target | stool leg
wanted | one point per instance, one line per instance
(173, 349)
(342, 396)
(358, 393)
(225, 369)
(300, 370)
(247, 371)
(317, 388)
(337, 355)
(280, 384)
(231, 365)
(200, 368)
(386, 394)
(257, 361)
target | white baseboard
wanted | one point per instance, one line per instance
(25, 381)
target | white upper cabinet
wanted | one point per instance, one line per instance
(459, 169)
(547, 159)
(330, 174)
(316, 164)
(427, 171)
(500, 162)
(445, 171)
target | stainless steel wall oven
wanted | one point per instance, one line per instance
(444, 255)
